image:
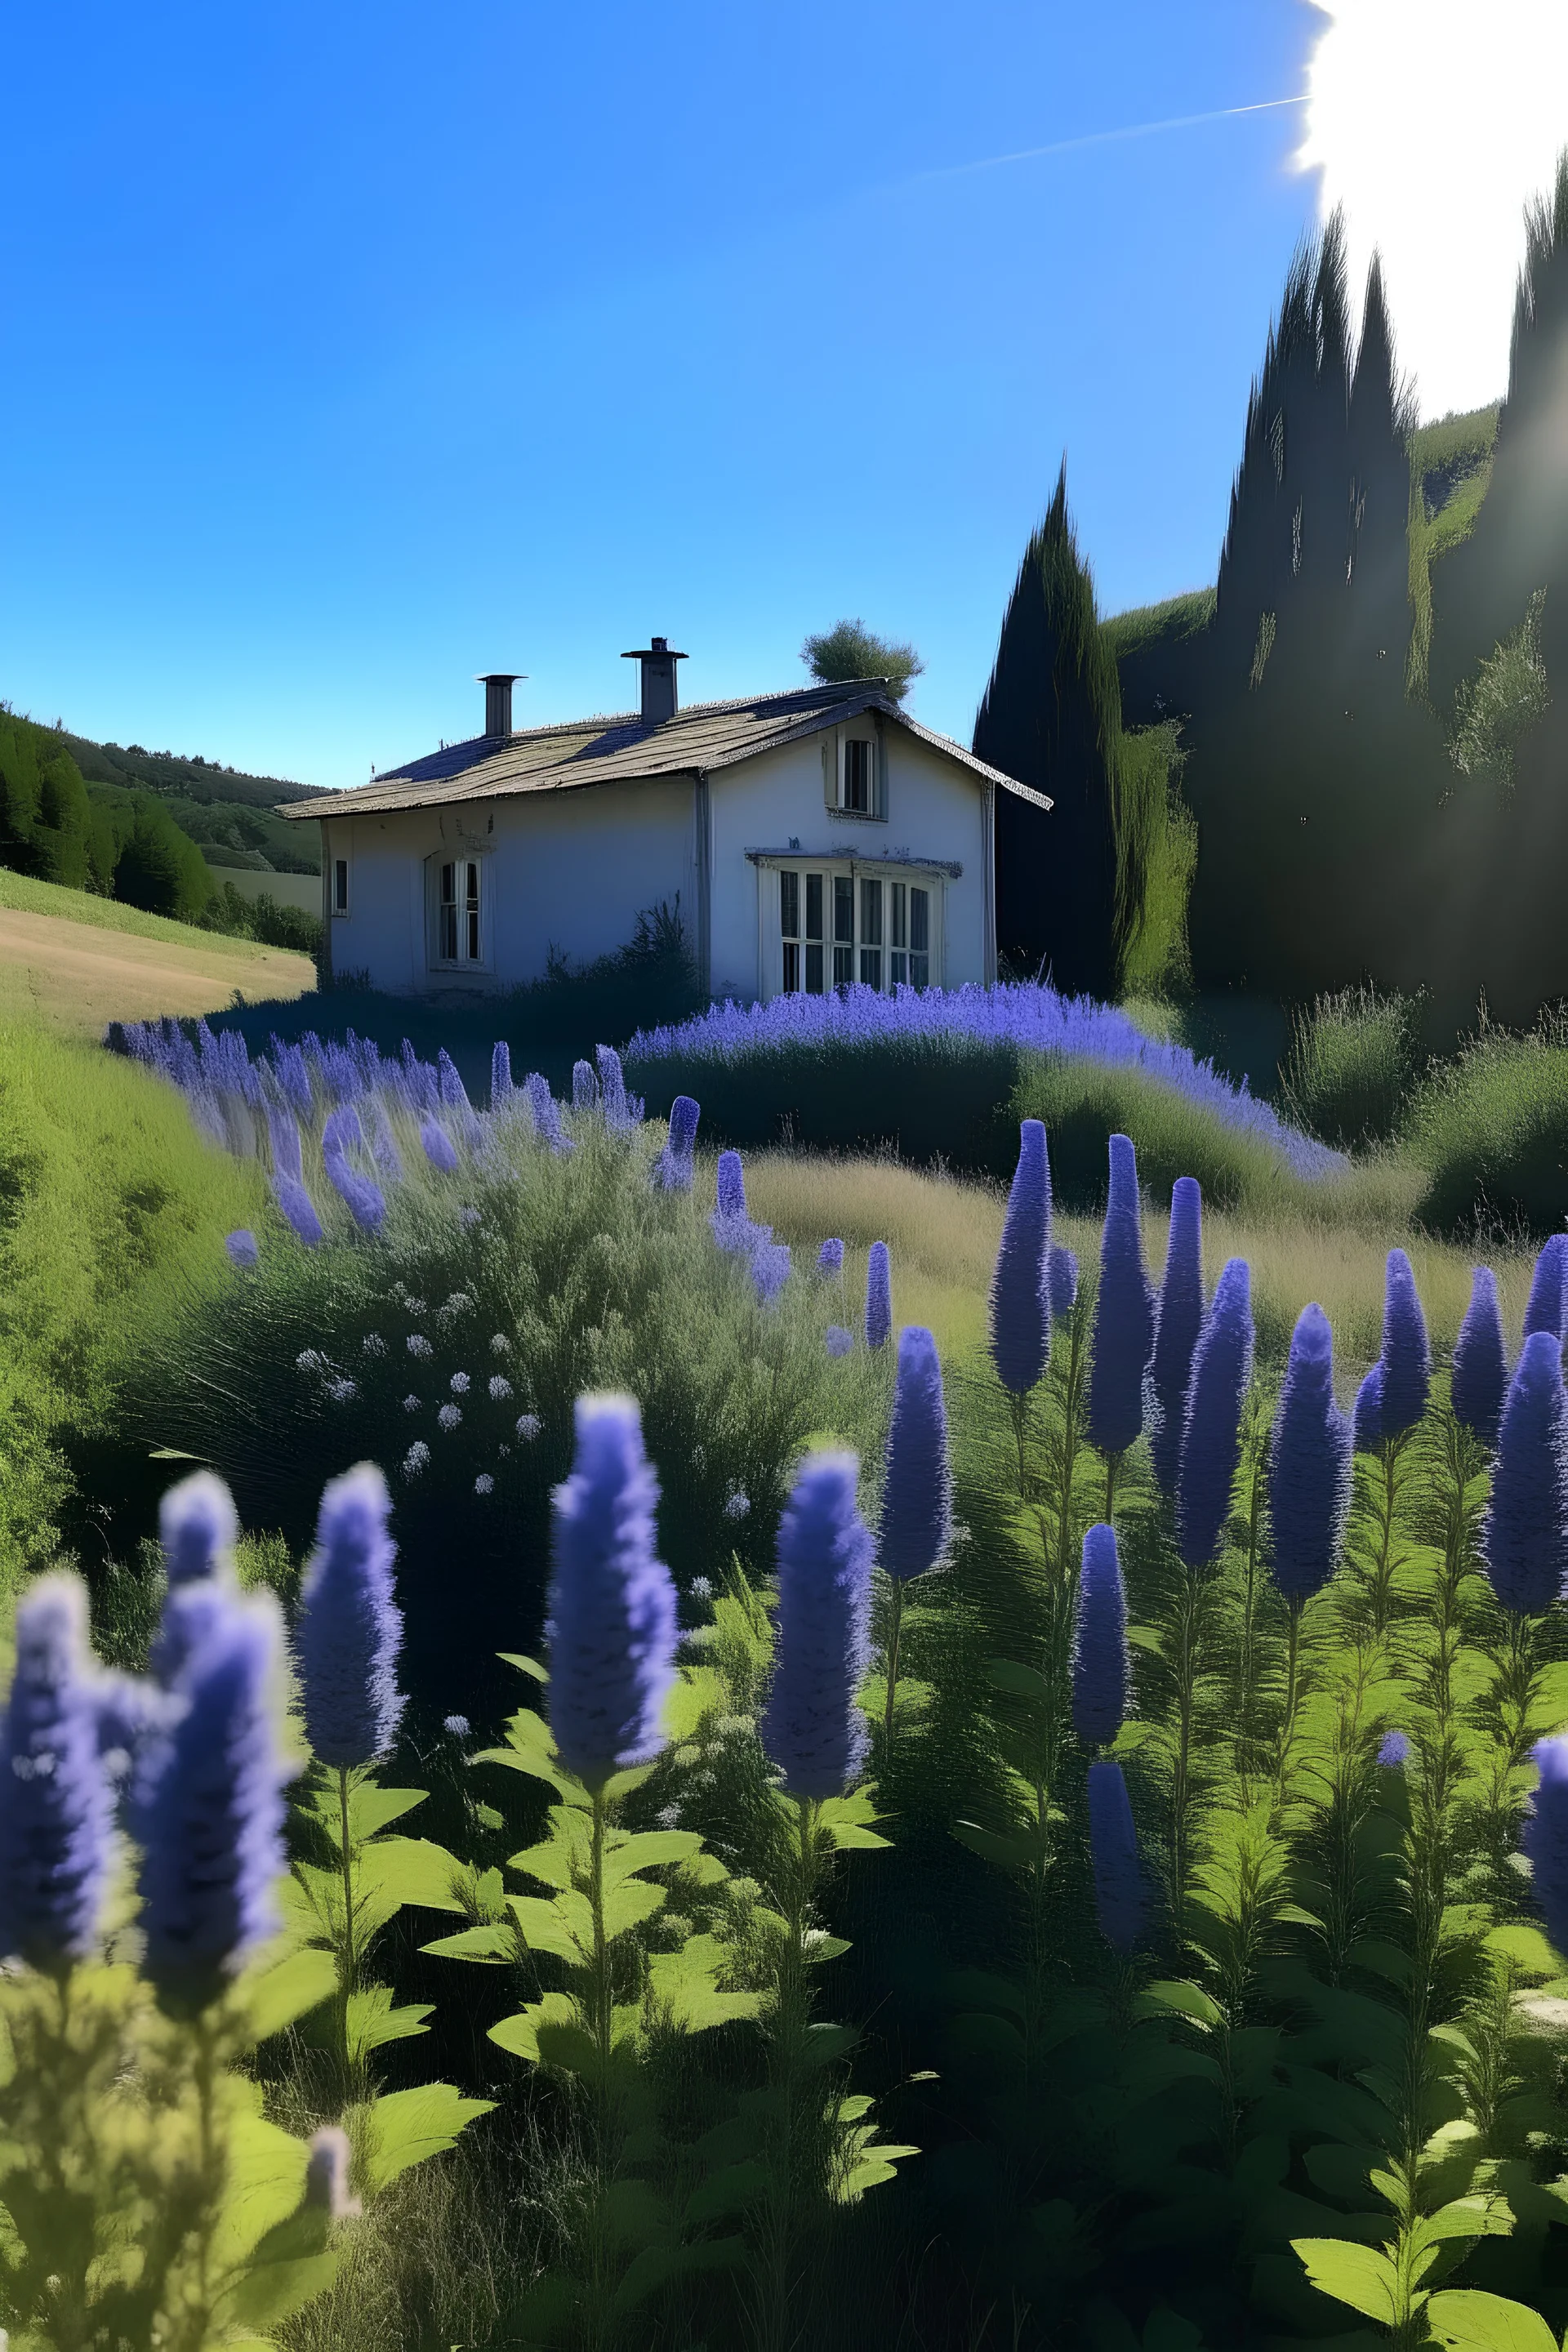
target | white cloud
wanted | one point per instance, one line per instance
(1433, 122)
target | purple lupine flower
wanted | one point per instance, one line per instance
(730, 1204)
(584, 1086)
(440, 1149)
(916, 1487)
(327, 2175)
(300, 1209)
(501, 1074)
(1481, 1361)
(197, 1527)
(878, 1297)
(56, 1817)
(241, 1245)
(769, 1267)
(1547, 1308)
(1393, 1751)
(1101, 1671)
(210, 1810)
(1113, 1850)
(673, 1169)
(1061, 1282)
(1123, 1312)
(612, 1600)
(384, 1145)
(1309, 1464)
(454, 1092)
(1406, 1357)
(546, 1113)
(1524, 1537)
(1545, 1835)
(830, 1260)
(839, 1342)
(1367, 1423)
(1020, 1297)
(1222, 1368)
(619, 1113)
(811, 1727)
(364, 1200)
(349, 1628)
(284, 1136)
(1178, 1320)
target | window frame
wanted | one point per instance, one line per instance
(875, 810)
(864, 909)
(340, 876)
(477, 911)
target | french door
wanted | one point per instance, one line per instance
(839, 924)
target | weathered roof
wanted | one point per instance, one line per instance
(694, 742)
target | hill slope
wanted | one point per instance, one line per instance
(225, 812)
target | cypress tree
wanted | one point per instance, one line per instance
(1051, 718)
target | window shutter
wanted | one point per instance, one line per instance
(830, 768)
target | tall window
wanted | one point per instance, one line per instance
(458, 933)
(876, 931)
(340, 886)
(855, 793)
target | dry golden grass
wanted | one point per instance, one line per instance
(76, 976)
(941, 1234)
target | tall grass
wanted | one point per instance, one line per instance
(1490, 1132)
(107, 1195)
(1353, 1058)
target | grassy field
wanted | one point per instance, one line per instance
(75, 962)
(943, 1234)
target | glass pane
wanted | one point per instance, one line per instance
(814, 907)
(792, 967)
(920, 972)
(447, 943)
(341, 871)
(843, 967)
(898, 970)
(871, 914)
(472, 882)
(898, 899)
(814, 971)
(448, 886)
(473, 935)
(789, 905)
(871, 966)
(919, 921)
(843, 908)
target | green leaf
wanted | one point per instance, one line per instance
(519, 2034)
(373, 2020)
(404, 2127)
(1467, 2320)
(1007, 1851)
(1358, 2275)
(650, 1850)
(524, 1666)
(1464, 2217)
(846, 1835)
(492, 1942)
(263, 2295)
(1179, 1998)
(626, 1907)
(1021, 1681)
(276, 1996)
(564, 1928)
(409, 1871)
(728, 2190)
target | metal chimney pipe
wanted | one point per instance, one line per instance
(497, 685)
(659, 699)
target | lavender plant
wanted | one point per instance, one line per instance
(917, 1489)
(1101, 1668)
(1123, 1321)
(1481, 1361)
(878, 1297)
(1178, 1321)
(1020, 1307)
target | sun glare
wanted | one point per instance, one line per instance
(1433, 122)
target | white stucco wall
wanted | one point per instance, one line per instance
(935, 810)
(572, 870)
(567, 870)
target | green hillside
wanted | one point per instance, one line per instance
(228, 812)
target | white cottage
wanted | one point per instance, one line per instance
(806, 838)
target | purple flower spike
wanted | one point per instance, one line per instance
(673, 1169)
(57, 1815)
(1406, 1356)
(198, 1526)
(621, 1112)
(440, 1149)
(916, 1490)
(1393, 1751)
(584, 1086)
(812, 1728)
(349, 1627)
(501, 1074)
(454, 1094)
(1101, 1672)
(1547, 1309)
(327, 2175)
(210, 1810)
(840, 1341)
(1367, 1426)
(241, 1245)
(1524, 1537)
(364, 1200)
(1178, 1320)
(878, 1297)
(1222, 1367)
(1123, 1312)
(284, 1136)
(612, 1600)
(1020, 1297)
(830, 1260)
(546, 1113)
(1481, 1361)
(769, 1268)
(1113, 1850)
(732, 1197)
(1545, 1837)
(1061, 1282)
(300, 1209)
(1309, 1465)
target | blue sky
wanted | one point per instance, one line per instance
(348, 352)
